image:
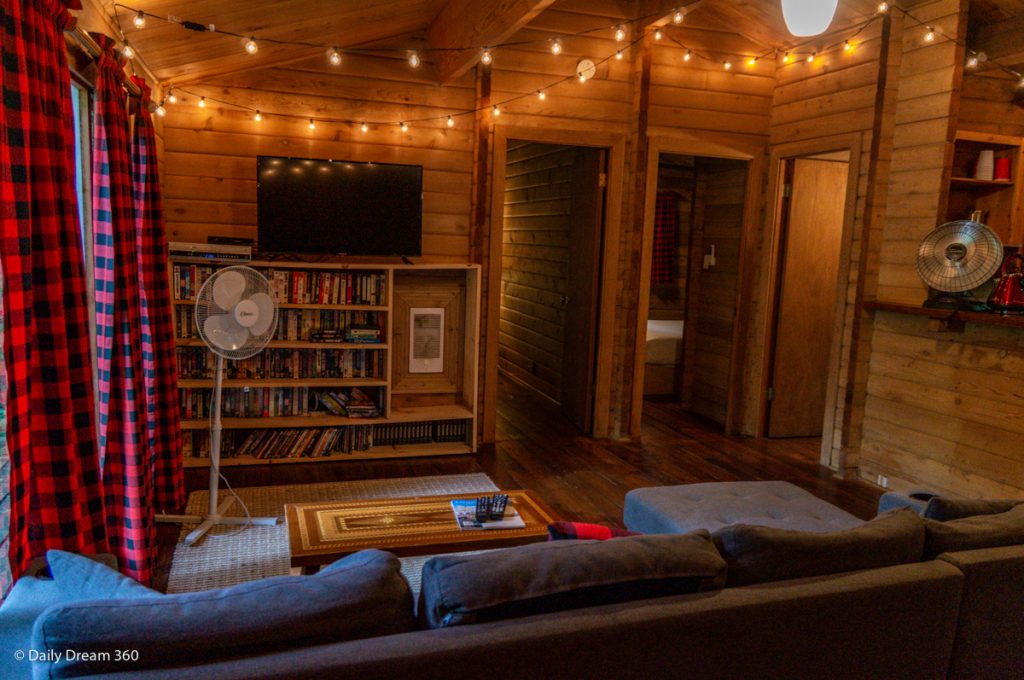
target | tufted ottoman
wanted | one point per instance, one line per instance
(678, 509)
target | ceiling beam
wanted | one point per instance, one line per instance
(661, 12)
(466, 24)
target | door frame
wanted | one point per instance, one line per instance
(615, 143)
(723, 147)
(853, 144)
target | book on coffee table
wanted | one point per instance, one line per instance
(465, 517)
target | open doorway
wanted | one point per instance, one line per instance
(811, 216)
(698, 227)
(550, 274)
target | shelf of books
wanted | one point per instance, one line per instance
(336, 382)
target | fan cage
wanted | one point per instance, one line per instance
(959, 256)
(205, 306)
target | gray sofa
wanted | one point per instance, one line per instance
(960, 615)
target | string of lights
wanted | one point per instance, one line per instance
(845, 40)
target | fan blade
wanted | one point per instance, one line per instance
(224, 332)
(265, 315)
(228, 289)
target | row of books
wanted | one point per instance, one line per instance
(322, 441)
(245, 403)
(327, 288)
(198, 363)
(294, 286)
(421, 433)
(353, 403)
(307, 325)
(290, 443)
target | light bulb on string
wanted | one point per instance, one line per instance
(486, 57)
(312, 124)
(930, 35)
(363, 127)
(450, 122)
(541, 95)
(582, 77)
(140, 19)
(688, 56)
(495, 111)
(785, 58)
(556, 46)
(202, 102)
(257, 117)
(250, 45)
(404, 127)
(414, 59)
(657, 34)
(620, 33)
(171, 97)
(883, 7)
(127, 51)
(618, 55)
(811, 57)
(334, 56)
(752, 61)
(727, 65)
(678, 16)
(1020, 83)
(160, 110)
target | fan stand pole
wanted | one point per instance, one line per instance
(215, 512)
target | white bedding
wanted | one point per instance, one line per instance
(664, 342)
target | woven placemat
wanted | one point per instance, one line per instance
(228, 555)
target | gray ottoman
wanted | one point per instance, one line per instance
(678, 509)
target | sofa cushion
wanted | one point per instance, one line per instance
(558, 575)
(711, 506)
(29, 597)
(360, 596)
(84, 578)
(761, 554)
(562, 531)
(945, 509)
(973, 533)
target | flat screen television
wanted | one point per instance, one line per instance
(305, 205)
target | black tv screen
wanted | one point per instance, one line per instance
(306, 205)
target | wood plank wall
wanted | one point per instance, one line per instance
(676, 174)
(535, 262)
(721, 187)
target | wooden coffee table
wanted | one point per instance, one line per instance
(319, 533)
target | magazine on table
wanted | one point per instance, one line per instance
(465, 516)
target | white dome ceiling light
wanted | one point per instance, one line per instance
(808, 17)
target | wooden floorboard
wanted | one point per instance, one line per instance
(580, 478)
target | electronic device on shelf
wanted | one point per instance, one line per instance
(209, 252)
(955, 259)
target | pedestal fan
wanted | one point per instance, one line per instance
(956, 258)
(236, 317)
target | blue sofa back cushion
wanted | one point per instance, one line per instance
(974, 533)
(569, 574)
(80, 578)
(363, 595)
(757, 554)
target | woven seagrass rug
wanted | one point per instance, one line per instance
(227, 556)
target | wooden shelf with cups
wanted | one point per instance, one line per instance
(995, 191)
(289, 403)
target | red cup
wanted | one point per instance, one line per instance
(1002, 170)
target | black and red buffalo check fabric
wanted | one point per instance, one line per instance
(164, 428)
(123, 437)
(56, 496)
(666, 227)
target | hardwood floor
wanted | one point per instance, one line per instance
(580, 478)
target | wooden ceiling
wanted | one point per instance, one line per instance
(178, 56)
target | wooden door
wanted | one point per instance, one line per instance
(810, 247)
(582, 288)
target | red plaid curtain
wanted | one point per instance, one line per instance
(158, 371)
(127, 476)
(56, 496)
(666, 226)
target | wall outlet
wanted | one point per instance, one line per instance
(883, 481)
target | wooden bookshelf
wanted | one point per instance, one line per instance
(441, 404)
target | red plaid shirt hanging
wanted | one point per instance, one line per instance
(157, 325)
(56, 497)
(666, 227)
(127, 475)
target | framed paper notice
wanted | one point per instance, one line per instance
(426, 339)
